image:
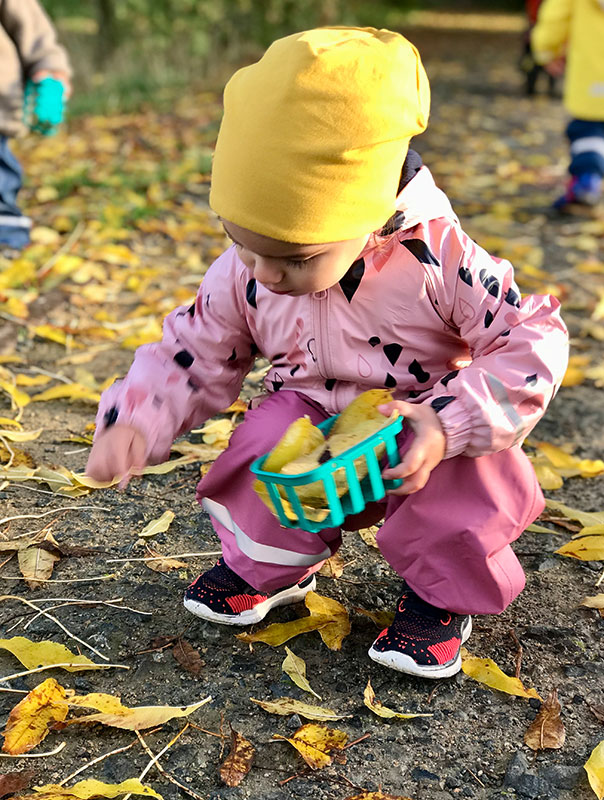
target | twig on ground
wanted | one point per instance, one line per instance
(96, 761)
(222, 736)
(600, 579)
(512, 633)
(433, 693)
(106, 577)
(79, 667)
(10, 450)
(52, 511)
(75, 602)
(155, 763)
(158, 558)
(37, 755)
(55, 620)
(14, 691)
(476, 778)
(203, 730)
(356, 741)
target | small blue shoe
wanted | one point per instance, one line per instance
(583, 190)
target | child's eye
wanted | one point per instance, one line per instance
(300, 264)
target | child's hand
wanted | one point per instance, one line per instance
(426, 451)
(117, 452)
(557, 67)
(58, 76)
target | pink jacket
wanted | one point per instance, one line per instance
(428, 314)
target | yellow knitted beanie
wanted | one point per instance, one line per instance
(314, 135)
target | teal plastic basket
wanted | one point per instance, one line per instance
(43, 105)
(360, 492)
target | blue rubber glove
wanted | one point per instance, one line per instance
(44, 105)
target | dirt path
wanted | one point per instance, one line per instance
(501, 158)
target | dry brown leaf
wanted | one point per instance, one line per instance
(15, 782)
(283, 706)
(30, 720)
(315, 742)
(239, 761)
(333, 567)
(161, 563)
(597, 710)
(546, 731)
(37, 563)
(188, 657)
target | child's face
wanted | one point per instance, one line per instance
(294, 269)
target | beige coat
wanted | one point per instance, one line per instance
(28, 43)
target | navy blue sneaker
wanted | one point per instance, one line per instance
(583, 190)
(423, 640)
(220, 595)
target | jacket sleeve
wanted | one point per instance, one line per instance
(34, 36)
(518, 349)
(195, 371)
(550, 34)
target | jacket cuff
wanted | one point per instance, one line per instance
(117, 407)
(457, 427)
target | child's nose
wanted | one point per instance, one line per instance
(267, 271)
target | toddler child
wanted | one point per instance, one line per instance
(350, 271)
(573, 30)
(28, 51)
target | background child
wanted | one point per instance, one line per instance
(574, 30)
(28, 50)
(528, 65)
(349, 271)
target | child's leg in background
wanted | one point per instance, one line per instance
(14, 226)
(254, 544)
(450, 541)
(587, 162)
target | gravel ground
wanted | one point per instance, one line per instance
(472, 746)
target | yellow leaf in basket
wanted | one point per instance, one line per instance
(301, 438)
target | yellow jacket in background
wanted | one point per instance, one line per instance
(574, 28)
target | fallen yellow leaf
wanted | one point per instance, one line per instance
(281, 632)
(21, 436)
(315, 742)
(283, 706)
(369, 699)
(586, 518)
(485, 670)
(595, 770)
(597, 601)
(20, 399)
(71, 391)
(43, 654)
(89, 789)
(158, 525)
(321, 607)
(295, 667)
(140, 717)
(29, 721)
(588, 548)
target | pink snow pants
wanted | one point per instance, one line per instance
(450, 540)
